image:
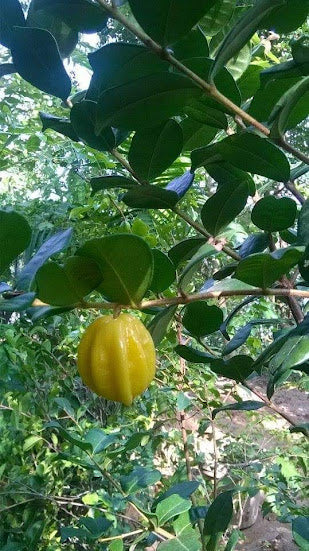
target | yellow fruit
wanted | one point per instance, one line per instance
(116, 358)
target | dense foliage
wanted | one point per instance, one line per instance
(153, 160)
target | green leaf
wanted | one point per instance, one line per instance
(96, 526)
(55, 244)
(249, 405)
(255, 243)
(110, 182)
(223, 206)
(240, 63)
(187, 541)
(83, 119)
(200, 319)
(139, 478)
(160, 323)
(217, 17)
(59, 124)
(289, 111)
(185, 249)
(303, 225)
(294, 352)
(204, 114)
(243, 333)
(18, 303)
(82, 15)
(170, 507)
(233, 540)
(69, 436)
(219, 514)
(120, 63)
(287, 18)
(150, 197)
(15, 235)
(300, 529)
(241, 32)
(249, 81)
(196, 134)
(11, 16)
(274, 214)
(166, 21)
(187, 274)
(65, 285)
(163, 272)
(300, 52)
(226, 173)
(193, 44)
(36, 58)
(263, 269)
(183, 489)
(248, 152)
(145, 102)
(126, 263)
(153, 150)
(31, 441)
(100, 440)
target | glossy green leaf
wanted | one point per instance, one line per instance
(185, 541)
(303, 225)
(69, 436)
(163, 272)
(145, 102)
(217, 17)
(243, 333)
(291, 109)
(166, 21)
(160, 324)
(150, 197)
(240, 63)
(294, 352)
(153, 150)
(170, 507)
(263, 269)
(200, 319)
(15, 235)
(241, 32)
(126, 263)
(183, 489)
(191, 268)
(286, 18)
(248, 152)
(36, 58)
(223, 206)
(65, 285)
(83, 119)
(11, 15)
(248, 405)
(274, 214)
(237, 368)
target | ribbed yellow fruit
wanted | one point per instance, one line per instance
(116, 358)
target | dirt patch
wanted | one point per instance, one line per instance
(268, 534)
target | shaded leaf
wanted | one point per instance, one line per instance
(18, 303)
(66, 285)
(83, 119)
(15, 235)
(249, 405)
(11, 15)
(160, 323)
(150, 197)
(59, 124)
(36, 58)
(82, 15)
(223, 206)
(166, 21)
(110, 182)
(274, 214)
(255, 243)
(55, 244)
(153, 150)
(219, 514)
(200, 319)
(164, 273)
(217, 17)
(139, 478)
(185, 249)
